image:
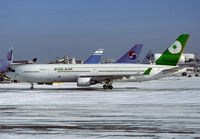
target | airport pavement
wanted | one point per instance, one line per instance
(166, 108)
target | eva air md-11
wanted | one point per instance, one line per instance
(106, 74)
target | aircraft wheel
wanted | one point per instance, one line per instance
(105, 87)
(110, 87)
(184, 74)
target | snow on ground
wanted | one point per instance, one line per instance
(166, 108)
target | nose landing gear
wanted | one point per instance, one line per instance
(32, 86)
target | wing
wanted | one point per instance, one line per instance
(109, 77)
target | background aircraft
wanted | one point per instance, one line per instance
(5, 63)
(131, 56)
(94, 58)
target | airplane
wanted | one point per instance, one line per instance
(90, 74)
(6, 63)
(94, 58)
(132, 55)
(149, 58)
(21, 62)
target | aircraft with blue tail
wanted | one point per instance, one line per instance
(6, 63)
(132, 55)
(94, 58)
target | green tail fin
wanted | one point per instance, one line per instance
(172, 55)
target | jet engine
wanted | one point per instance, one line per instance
(83, 81)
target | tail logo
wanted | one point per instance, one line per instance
(9, 56)
(175, 48)
(132, 55)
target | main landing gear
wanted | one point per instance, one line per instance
(107, 86)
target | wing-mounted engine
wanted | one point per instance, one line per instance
(84, 81)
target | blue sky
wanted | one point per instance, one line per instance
(50, 28)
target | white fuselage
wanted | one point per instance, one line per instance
(45, 73)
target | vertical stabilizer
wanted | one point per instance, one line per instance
(9, 57)
(132, 55)
(5, 63)
(94, 58)
(149, 58)
(172, 55)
